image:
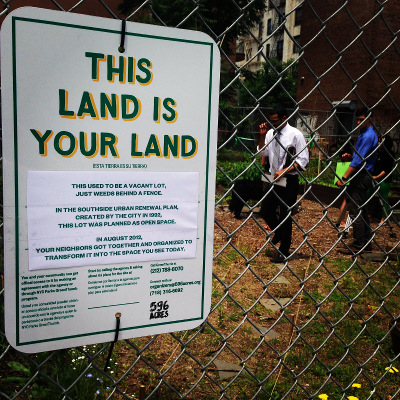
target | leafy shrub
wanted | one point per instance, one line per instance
(229, 170)
(327, 174)
(233, 163)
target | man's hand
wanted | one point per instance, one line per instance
(279, 174)
(264, 128)
(346, 176)
(346, 157)
(339, 183)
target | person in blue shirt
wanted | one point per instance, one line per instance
(359, 175)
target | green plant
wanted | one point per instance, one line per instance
(68, 368)
(256, 85)
(233, 163)
(326, 175)
(230, 170)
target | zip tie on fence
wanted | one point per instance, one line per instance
(121, 47)
(118, 318)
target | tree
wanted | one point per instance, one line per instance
(257, 84)
(212, 17)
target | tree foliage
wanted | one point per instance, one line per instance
(212, 17)
(262, 87)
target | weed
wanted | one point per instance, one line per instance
(69, 368)
(234, 317)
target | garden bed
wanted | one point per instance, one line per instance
(329, 195)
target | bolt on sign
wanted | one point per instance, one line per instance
(109, 158)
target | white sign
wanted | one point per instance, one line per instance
(92, 218)
(109, 165)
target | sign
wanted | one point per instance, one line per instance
(341, 168)
(109, 165)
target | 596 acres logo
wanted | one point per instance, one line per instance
(159, 309)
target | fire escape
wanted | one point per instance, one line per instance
(278, 29)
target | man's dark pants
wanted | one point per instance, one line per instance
(281, 198)
(357, 196)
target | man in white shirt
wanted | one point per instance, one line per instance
(286, 150)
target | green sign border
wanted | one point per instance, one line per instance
(14, 68)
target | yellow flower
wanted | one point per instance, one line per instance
(392, 370)
(323, 396)
(356, 385)
(352, 398)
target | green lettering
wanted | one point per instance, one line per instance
(108, 105)
(171, 146)
(144, 65)
(131, 70)
(83, 145)
(108, 141)
(168, 103)
(42, 139)
(153, 147)
(63, 104)
(87, 106)
(112, 70)
(156, 109)
(134, 145)
(59, 138)
(185, 150)
(96, 58)
(126, 99)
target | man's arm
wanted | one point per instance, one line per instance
(380, 175)
(302, 158)
(280, 174)
(349, 172)
(263, 131)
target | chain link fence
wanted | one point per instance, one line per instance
(319, 325)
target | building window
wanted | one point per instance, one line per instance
(297, 16)
(260, 30)
(248, 53)
(279, 50)
(269, 26)
(281, 19)
(296, 44)
(268, 50)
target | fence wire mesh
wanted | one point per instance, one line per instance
(320, 324)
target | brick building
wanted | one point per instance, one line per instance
(351, 58)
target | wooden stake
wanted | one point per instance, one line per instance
(142, 392)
